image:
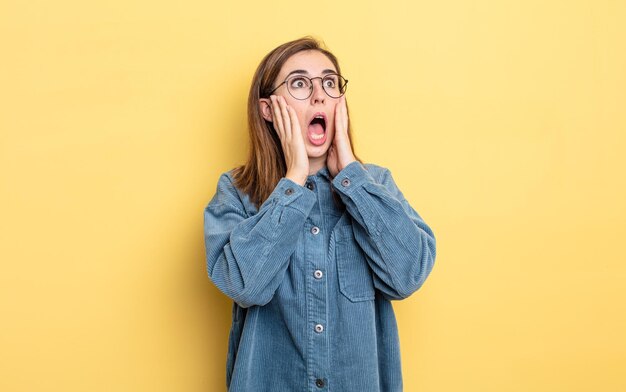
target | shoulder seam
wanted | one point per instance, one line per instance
(228, 177)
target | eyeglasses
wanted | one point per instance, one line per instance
(301, 87)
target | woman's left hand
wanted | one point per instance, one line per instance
(340, 152)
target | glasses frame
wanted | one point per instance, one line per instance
(345, 85)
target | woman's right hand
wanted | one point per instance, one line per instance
(288, 128)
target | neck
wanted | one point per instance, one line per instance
(315, 164)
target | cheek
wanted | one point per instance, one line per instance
(331, 118)
(303, 123)
(331, 114)
(296, 105)
(301, 113)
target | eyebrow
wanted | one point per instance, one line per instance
(302, 71)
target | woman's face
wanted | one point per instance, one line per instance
(317, 137)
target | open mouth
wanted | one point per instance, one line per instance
(317, 129)
(318, 125)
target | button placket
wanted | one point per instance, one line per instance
(317, 296)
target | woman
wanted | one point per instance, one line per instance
(310, 243)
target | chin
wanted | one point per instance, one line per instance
(317, 151)
(314, 151)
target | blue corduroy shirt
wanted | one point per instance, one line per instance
(311, 280)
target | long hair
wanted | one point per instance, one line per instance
(266, 165)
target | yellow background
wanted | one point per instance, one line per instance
(502, 121)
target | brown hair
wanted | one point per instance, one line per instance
(266, 162)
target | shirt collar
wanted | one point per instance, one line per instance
(323, 172)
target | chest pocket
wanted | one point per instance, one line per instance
(355, 276)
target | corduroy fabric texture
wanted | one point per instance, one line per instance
(311, 281)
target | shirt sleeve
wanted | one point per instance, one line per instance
(399, 245)
(246, 257)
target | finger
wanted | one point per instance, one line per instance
(295, 124)
(285, 117)
(344, 113)
(278, 116)
(278, 121)
(338, 117)
(331, 161)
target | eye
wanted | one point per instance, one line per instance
(330, 81)
(299, 82)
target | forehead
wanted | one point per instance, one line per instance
(311, 61)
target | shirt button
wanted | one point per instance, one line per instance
(318, 274)
(288, 191)
(319, 328)
(315, 230)
(345, 182)
(310, 185)
(319, 383)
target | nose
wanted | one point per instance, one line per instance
(318, 95)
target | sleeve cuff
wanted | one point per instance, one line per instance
(351, 178)
(294, 195)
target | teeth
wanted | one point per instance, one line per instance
(315, 136)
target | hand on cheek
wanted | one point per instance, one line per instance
(287, 126)
(340, 153)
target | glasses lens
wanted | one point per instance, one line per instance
(334, 85)
(299, 86)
